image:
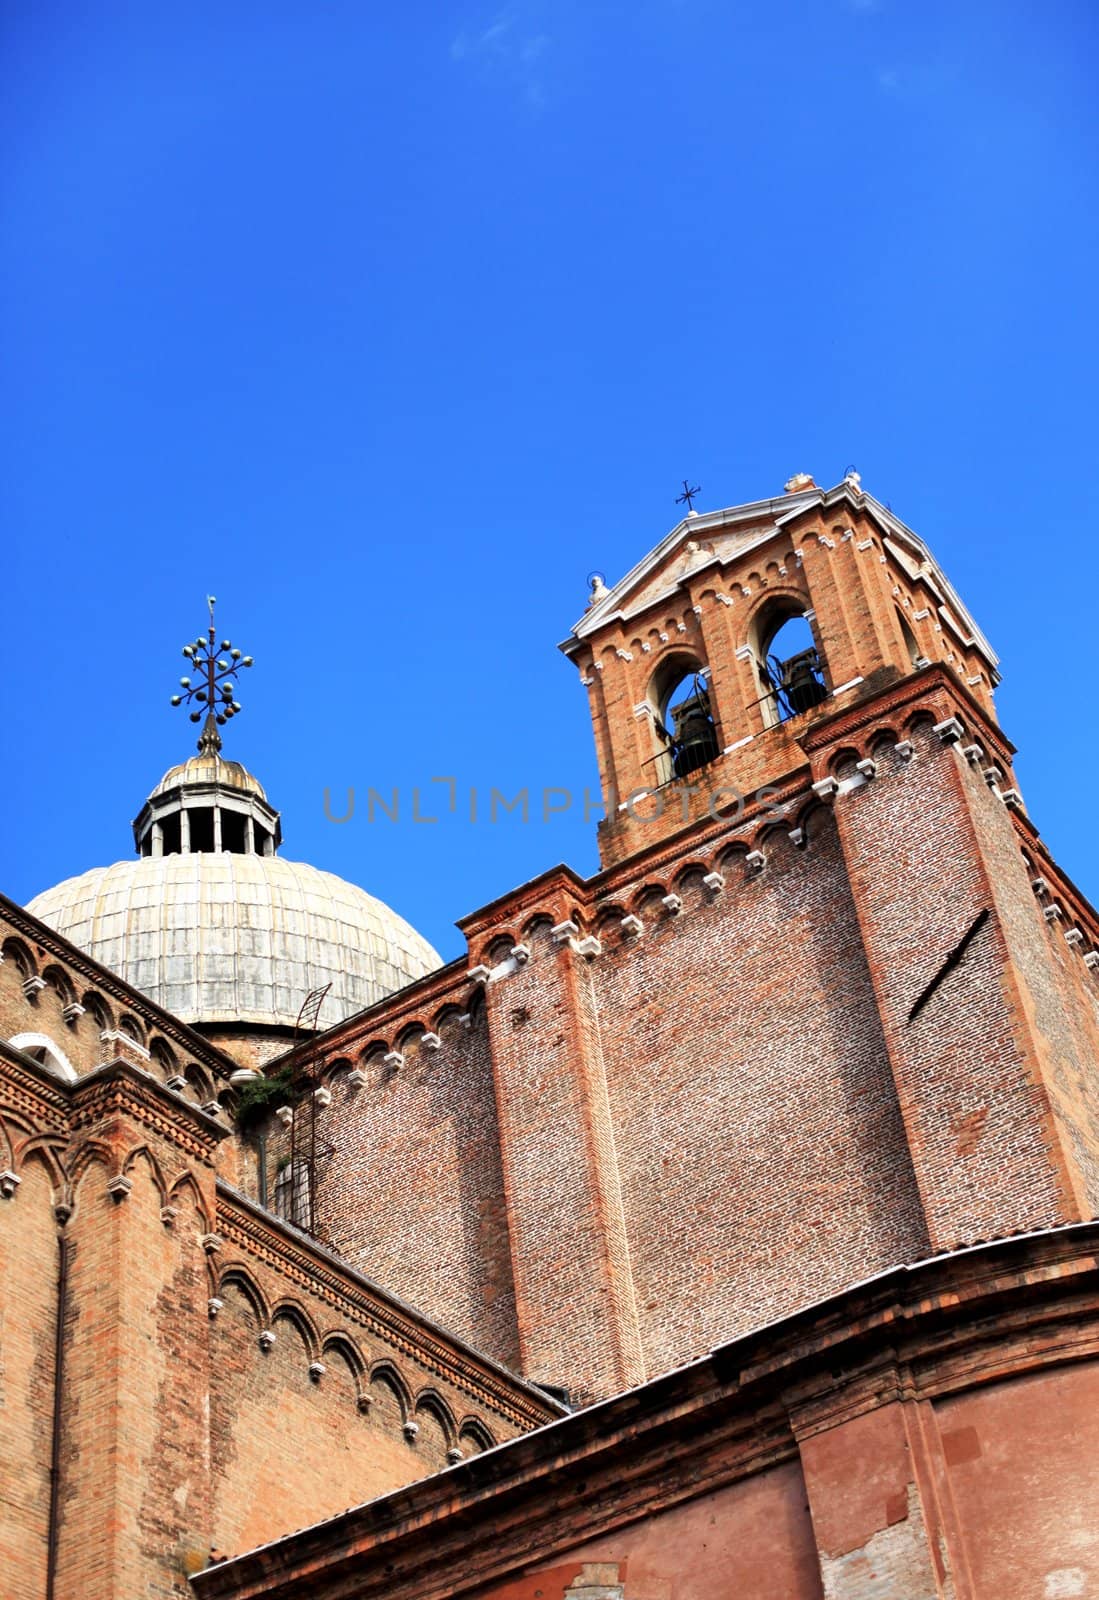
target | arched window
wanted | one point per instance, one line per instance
(684, 721)
(790, 669)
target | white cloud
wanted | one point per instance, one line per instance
(507, 48)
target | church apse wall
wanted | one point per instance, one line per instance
(324, 1394)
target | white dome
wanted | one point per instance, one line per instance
(237, 938)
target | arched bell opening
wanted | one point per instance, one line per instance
(683, 719)
(789, 665)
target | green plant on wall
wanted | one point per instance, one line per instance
(262, 1095)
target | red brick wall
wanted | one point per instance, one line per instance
(339, 1405)
(575, 1294)
(134, 1469)
(28, 1276)
(1057, 995)
(288, 1449)
(976, 1111)
(930, 1435)
(762, 1154)
(411, 1192)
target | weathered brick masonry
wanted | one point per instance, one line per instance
(832, 1009)
(827, 1008)
(223, 1378)
(931, 1435)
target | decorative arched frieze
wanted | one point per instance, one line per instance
(186, 1184)
(429, 1403)
(385, 1376)
(237, 1276)
(339, 1346)
(474, 1436)
(294, 1314)
(142, 1153)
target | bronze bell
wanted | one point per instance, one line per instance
(695, 736)
(801, 682)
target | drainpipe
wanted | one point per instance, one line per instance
(261, 1175)
(58, 1394)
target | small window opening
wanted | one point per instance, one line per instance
(232, 832)
(169, 832)
(914, 654)
(202, 830)
(687, 726)
(791, 670)
(292, 1194)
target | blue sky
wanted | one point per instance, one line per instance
(389, 324)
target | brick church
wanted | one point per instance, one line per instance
(720, 1227)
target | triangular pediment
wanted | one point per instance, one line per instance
(713, 538)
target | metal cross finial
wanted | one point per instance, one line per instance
(687, 497)
(216, 685)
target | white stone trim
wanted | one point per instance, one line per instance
(57, 1063)
(111, 1036)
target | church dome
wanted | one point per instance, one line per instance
(237, 938)
(210, 922)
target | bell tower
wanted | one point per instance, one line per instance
(710, 664)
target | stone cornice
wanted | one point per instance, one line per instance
(425, 994)
(527, 896)
(1061, 885)
(32, 1091)
(39, 933)
(266, 1238)
(119, 1089)
(936, 1328)
(903, 695)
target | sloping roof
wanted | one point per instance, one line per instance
(906, 546)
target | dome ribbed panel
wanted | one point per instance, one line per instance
(235, 938)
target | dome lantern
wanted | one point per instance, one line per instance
(210, 922)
